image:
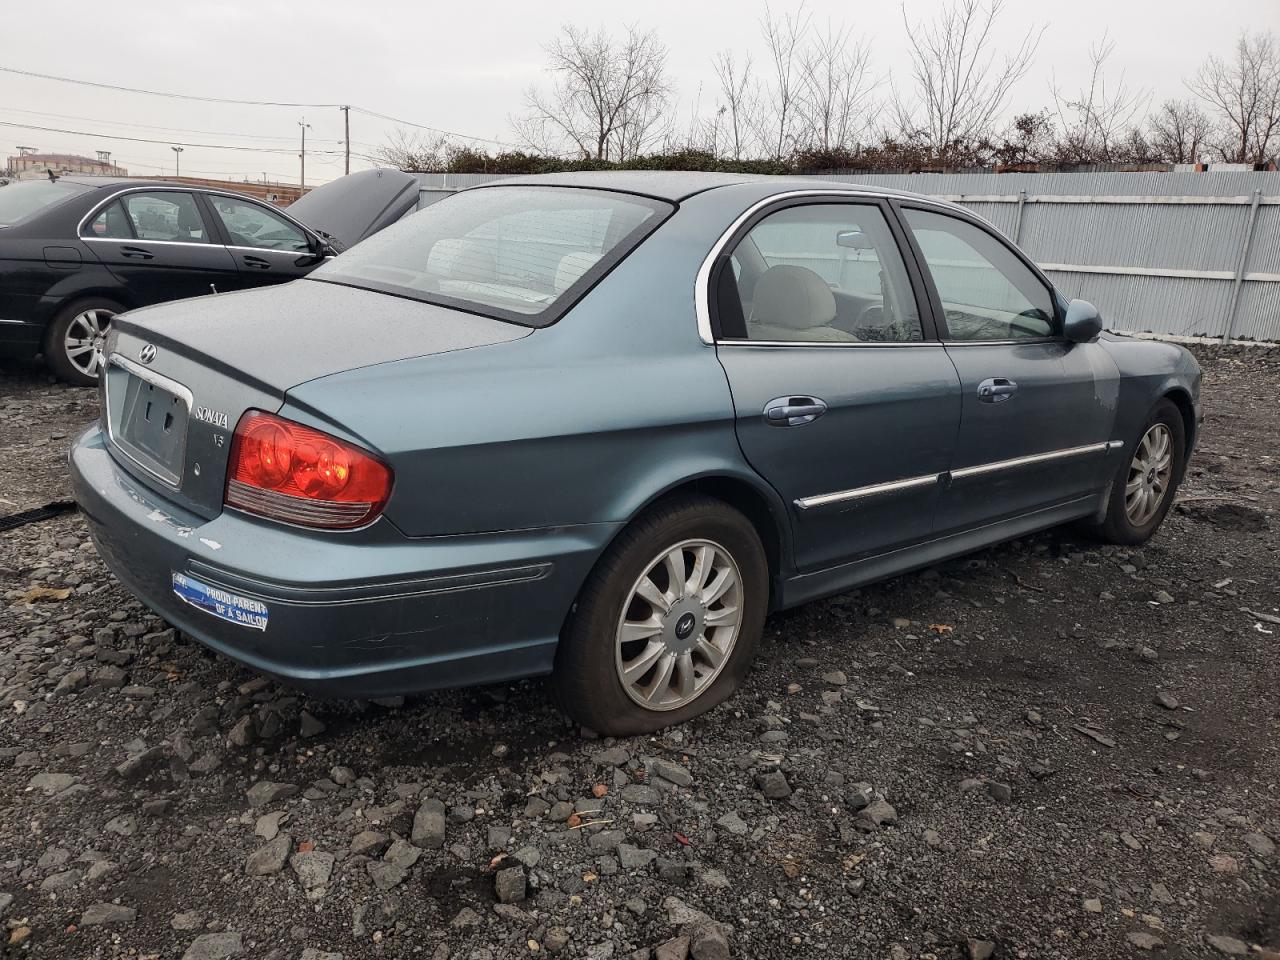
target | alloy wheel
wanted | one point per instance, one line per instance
(679, 624)
(83, 341)
(1150, 471)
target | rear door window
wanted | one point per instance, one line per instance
(111, 223)
(165, 215)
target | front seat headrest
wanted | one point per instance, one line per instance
(791, 296)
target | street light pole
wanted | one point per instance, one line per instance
(177, 161)
(346, 132)
(305, 127)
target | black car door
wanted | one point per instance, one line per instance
(266, 246)
(158, 244)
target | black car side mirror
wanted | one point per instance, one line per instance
(1083, 322)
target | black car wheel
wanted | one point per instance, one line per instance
(668, 622)
(73, 343)
(1143, 488)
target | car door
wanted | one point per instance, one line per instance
(1037, 409)
(844, 400)
(266, 246)
(158, 244)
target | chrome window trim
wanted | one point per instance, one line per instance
(912, 483)
(203, 244)
(290, 253)
(1004, 343)
(156, 379)
(845, 344)
(178, 188)
(702, 285)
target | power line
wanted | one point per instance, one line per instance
(151, 126)
(178, 143)
(255, 103)
(162, 93)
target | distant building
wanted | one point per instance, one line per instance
(281, 194)
(32, 165)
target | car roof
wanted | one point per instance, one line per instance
(677, 185)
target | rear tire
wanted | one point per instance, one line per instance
(627, 664)
(1143, 488)
(73, 342)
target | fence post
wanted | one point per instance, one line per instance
(1246, 243)
(1017, 222)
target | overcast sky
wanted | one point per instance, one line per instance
(464, 67)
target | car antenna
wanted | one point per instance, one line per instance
(53, 177)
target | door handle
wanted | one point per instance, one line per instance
(136, 253)
(793, 411)
(996, 389)
(257, 262)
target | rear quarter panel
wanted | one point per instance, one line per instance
(581, 422)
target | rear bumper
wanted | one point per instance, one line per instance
(372, 614)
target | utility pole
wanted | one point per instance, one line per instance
(177, 161)
(305, 127)
(346, 134)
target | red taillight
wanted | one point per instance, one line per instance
(285, 471)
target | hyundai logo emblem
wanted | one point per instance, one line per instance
(147, 353)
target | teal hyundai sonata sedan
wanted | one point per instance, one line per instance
(597, 426)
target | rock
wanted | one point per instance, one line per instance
(103, 914)
(402, 853)
(269, 859)
(187, 921)
(557, 939)
(707, 941)
(429, 825)
(980, 949)
(313, 869)
(122, 826)
(672, 772)
(52, 783)
(1160, 894)
(1000, 792)
(1145, 941)
(268, 825)
(241, 734)
(386, 876)
(878, 814)
(264, 792)
(1229, 946)
(634, 858)
(641, 794)
(1261, 845)
(734, 824)
(369, 843)
(1163, 596)
(1093, 905)
(606, 840)
(509, 884)
(309, 726)
(773, 785)
(1166, 700)
(835, 677)
(311, 953)
(677, 948)
(58, 882)
(215, 946)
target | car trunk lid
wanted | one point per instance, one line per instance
(180, 376)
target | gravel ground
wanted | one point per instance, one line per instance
(1047, 749)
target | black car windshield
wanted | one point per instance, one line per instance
(18, 201)
(519, 253)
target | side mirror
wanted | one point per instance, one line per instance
(1083, 322)
(853, 239)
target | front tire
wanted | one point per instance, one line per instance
(73, 342)
(668, 622)
(1143, 488)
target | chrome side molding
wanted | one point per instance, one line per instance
(915, 483)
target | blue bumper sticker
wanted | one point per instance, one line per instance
(243, 611)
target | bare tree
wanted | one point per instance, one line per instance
(783, 37)
(960, 86)
(608, 98)
(1098, 121)
(1178, 131)
(836, 87)
(738, 101)
(1245, 95)
(415, 153)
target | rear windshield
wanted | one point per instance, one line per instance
(522, 254)
(21, 200)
